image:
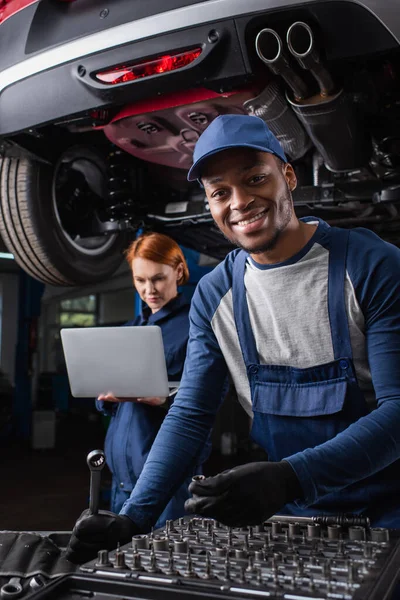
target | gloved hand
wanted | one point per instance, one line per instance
(245, 495)
(97, 532)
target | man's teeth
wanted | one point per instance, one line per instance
(248, 221)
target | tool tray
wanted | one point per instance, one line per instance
(200, 558)
(289, 560)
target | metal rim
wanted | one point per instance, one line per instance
(278, 42)
(69, 165)
(299, 25)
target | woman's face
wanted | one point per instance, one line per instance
(155, 283)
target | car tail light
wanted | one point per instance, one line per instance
(155, 66)
(8, 8)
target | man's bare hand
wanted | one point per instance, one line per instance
(152, 401)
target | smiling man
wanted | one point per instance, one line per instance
(249, 193)
(305, 318)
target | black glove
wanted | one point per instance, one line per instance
(245, 495)
(97, 532)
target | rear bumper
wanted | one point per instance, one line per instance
(46, 86)
(69, 90)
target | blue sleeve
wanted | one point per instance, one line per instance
(186, 428)
(373, 442)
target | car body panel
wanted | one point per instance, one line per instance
(23, 105)
(61, 92)
(172, 20)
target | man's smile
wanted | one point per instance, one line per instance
(244, 224)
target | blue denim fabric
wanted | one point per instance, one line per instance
(173, 510)
(297, 409)
(299, 405)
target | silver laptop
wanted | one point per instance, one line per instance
(129, 362)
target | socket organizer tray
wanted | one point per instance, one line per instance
(285, 559)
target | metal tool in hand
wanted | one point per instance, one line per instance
(12, 589)
(198, 478)
(96, 461)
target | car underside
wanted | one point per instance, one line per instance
(101, 109)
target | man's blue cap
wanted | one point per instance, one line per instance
(233, 131)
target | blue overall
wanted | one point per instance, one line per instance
(295, 409)
(134, 427)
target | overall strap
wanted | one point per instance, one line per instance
(336, 293)
(241, 311)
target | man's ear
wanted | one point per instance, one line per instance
(290, 176)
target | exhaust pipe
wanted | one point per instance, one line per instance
(300, 41)
(270, 51)
(271, 106)
(336, 130)
(330, 119)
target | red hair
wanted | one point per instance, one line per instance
(160, 249)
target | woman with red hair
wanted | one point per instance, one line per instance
(158, 268)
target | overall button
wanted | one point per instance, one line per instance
(121, 485)
(253, 369)
(344, 364)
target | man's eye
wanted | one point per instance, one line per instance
(218, 194)
(257, 178)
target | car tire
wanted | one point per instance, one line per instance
(32, 231)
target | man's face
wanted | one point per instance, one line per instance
(249, 194)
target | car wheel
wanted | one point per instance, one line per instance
(44, 210)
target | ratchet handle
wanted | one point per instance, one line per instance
(94, 500)
(95, 461)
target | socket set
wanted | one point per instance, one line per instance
(282, 558)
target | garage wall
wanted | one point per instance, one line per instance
(9, 283)
(122, 279)
(115, 305)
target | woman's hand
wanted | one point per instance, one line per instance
(153, 401)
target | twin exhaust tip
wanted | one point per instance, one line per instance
(327, 115)
(299, 38)
(300, 43)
